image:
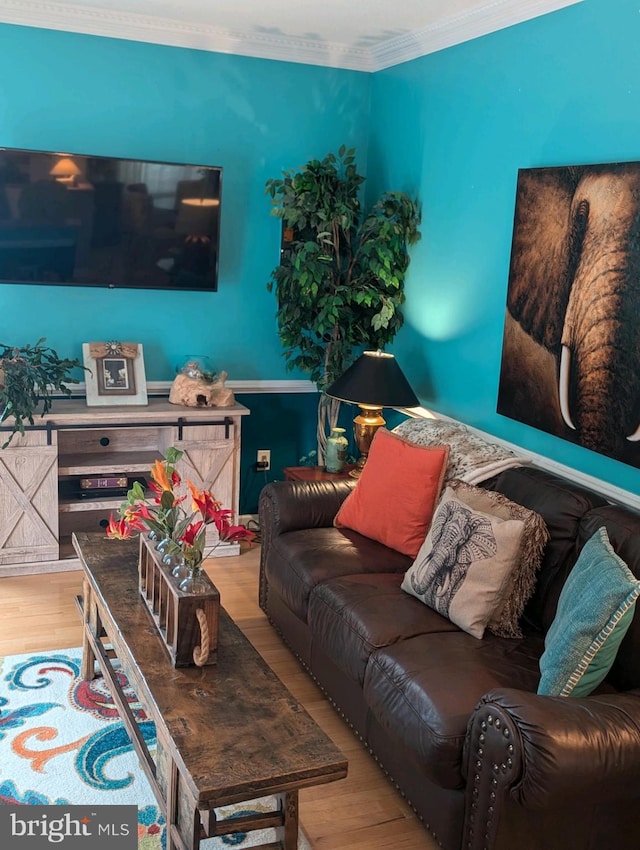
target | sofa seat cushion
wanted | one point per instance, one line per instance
(424, 689)
(299, 560)
(352, 616)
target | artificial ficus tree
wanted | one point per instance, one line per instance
(340, 283)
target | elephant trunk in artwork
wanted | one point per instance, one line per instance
(598, 373)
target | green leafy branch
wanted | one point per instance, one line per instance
(340, 284)
(29, 375)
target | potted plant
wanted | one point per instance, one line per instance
(28, 376)
(340, 281)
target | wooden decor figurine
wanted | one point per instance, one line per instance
(193, 388)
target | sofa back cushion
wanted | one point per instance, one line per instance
(562, 505)
(623, 530)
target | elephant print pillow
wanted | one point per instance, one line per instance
(464, 566)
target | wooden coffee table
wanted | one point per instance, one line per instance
(226, 733)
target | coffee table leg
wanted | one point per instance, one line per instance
(180, 813)
(91, 624)
(289, 830)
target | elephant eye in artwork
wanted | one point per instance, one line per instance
(571, 348)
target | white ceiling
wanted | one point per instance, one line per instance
(365, 35)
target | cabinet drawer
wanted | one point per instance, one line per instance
(107, 451)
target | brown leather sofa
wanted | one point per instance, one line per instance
(455, 721)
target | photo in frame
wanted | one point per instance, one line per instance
(115, 373)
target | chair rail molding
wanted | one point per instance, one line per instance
(163, 388)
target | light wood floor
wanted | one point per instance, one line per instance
(361, 812)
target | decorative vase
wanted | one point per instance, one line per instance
(336, 452)
(162, 544)
(172, 556)
(198, 366)
(179, 568)
(195, 581)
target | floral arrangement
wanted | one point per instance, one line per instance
(165, 516)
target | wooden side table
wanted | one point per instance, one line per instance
(316, 473)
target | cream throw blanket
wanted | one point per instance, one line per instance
(471, 458)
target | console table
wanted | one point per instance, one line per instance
(226, 733)
(40, 500)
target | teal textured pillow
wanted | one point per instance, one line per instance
(595, 610)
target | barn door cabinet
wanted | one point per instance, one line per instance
(42, 500)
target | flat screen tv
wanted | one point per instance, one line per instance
(74, 220)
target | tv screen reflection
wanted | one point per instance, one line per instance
(68, 219)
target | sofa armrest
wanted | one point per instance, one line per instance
(294, 505)
(540, 751)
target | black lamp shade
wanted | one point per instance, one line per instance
(374, 379)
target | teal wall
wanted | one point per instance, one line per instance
(285, 423)
(456, 126)
(101, 96)
(71, 92)
(453, 127)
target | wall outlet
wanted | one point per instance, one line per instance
(263, 461)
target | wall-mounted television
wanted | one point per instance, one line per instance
(75, 220)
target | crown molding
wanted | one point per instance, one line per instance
(69, 17)
(491, 16)
(456, 29)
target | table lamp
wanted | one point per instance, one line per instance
(374, 381)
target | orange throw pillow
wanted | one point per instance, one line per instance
(397, 492)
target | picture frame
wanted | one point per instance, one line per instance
(115, 373)
(571, 334)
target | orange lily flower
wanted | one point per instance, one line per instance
(203, 501)
(134, 516)
(159, 475)
(118, 529)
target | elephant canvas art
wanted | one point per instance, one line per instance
(571, 346)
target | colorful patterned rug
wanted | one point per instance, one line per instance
(62, 742)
